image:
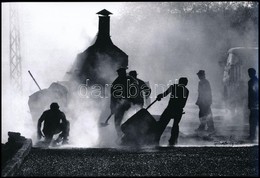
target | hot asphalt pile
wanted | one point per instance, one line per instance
(159, 161)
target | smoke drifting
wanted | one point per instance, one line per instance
(50, 41)
(161, 47)
(171, 45)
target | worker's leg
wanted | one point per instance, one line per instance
(210, 122)
(203, 122)
(253, 122)
(63, 129)
(119, 115)
(48, 137)
(202, 118)
(118, 119)
(163, 122)
(175, 128)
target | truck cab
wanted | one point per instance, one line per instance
(235, 77)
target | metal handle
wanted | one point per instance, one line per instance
(108, 118)
(151, 104)
(34, 80)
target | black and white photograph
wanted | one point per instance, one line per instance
(130, 89)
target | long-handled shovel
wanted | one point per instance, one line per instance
(104, 124)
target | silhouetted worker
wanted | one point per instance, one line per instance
(253, 103)
(54, 122)
(120, 99)
(204, 102)
(143, 91)
(179, 96)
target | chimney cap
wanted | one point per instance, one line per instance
(104, 12)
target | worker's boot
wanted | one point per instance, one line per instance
(203, 121)
(172, 142)
(210, 123)
(200, 128)
(59, 139)
(65, 141)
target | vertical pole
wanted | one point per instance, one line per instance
(14, 50)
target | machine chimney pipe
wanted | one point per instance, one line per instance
(104, 24)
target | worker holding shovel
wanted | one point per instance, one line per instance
(179, 96)
(120, 102)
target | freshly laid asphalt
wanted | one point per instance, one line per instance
(157, 161)
(225, 153)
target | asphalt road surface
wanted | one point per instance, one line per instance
(225, 153)
(157, 161)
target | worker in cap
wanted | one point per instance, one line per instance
(204, 102)
(253, 104)
(201, 73)
(120, 102)
(54, 106)
(121, 69)
(133, 73)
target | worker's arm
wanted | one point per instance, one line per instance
(210, 94)
(39, 132)
(63, 118)
(169, 90)
(199, 94)
(146, 90)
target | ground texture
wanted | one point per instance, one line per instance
(157, 161)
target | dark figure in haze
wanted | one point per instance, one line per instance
(253, 103)
(143, 91)
(204, 102)
(120, 101)
(54, 122)
(179, 96)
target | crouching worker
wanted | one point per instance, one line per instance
(55, 122)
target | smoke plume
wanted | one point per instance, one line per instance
(162, 46)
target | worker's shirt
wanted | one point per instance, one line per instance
(144, 88)
(121, 89)
(142, 91)
(179, 96)
(204, 93)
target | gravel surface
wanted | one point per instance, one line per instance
(159, 161)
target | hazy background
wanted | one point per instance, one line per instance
(164, 41)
